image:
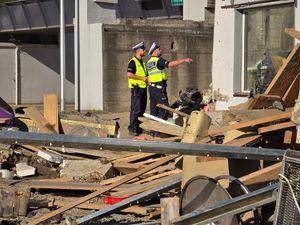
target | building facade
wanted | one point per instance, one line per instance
(99, 36)
(248, 35)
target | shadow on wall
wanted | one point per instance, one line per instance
(49, 56)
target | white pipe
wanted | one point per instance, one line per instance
(62, 54)
(76, 56)
(158, 119)
(17, 74)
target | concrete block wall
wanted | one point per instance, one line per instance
(191, 39)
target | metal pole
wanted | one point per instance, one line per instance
(114, 144)
(62, 54)
(17, 71)
(77, 57)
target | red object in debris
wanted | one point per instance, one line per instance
(112, 200)
(141, 138)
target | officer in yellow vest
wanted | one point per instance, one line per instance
(137, 82)
(157, 79)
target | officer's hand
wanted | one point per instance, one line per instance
(188, 60)
(145, 79)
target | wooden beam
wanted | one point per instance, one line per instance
(293, 33)
(277, 62)
(40, 219)
(138, 210)
(286, 74)
(169, 209)
(43, 125)
(262, 176)
(245, 141)
(173, 110)
(250, 123)
(291, 94)
(162, 128)
(276, 127)
(288, 137)
(51, 110)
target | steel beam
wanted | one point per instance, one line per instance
(136, 199)
(53, 140)
(234, 206)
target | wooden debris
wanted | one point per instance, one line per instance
(99, 192)
(173, 110)
(51, 110)
(169, 210)
(43, 125)
(276, 127)
(162, 128)
(250, 123)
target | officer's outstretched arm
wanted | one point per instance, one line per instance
(179, 61)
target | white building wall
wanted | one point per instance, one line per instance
(91, 62)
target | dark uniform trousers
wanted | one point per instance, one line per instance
(137, 108)
(158, 96)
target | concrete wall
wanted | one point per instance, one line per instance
(7, 72)
(189, 40)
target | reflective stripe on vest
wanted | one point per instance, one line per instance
(155, 74)
(141, 72)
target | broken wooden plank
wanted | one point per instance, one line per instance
(286, 74)
(169, 209)
(126, 168)
(288, 136)
(277, 62)
(250, 123)
(51, 110)
(259, 177)
(173, 110)
(43, 125)
(245, 141)
(291, 94)
(138, 210)
(276, 127)
(162, 128)
(127, 178)
(133, 189)
(293, 33)
(133, 158)
(261, 101)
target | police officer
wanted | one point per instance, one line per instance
(137, 82)
(157, 78)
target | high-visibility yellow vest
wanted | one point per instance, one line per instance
(155, 74)
(141, 72)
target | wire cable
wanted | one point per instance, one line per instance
(291, 189)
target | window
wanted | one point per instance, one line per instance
(265, 40)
